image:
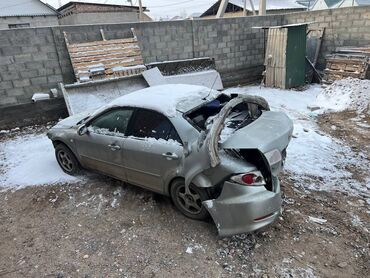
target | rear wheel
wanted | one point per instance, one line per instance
(67, 160)
(189, 202)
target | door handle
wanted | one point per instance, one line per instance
(170, 156)
(114, 147)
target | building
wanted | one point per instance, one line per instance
(22, 14)
(331, 4)
(76, 13)
(235, 8)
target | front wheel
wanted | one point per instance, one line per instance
(189, 202)
(67, 160)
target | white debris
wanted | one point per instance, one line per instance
(114, 203)
(317, 220)
(194, 246)
(189, 250)
(40, 96)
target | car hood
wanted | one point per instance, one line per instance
(72, 120)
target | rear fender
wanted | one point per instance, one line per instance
(205, 151)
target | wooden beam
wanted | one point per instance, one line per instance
(222, 8)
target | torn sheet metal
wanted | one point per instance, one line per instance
(93, 95)
(154, 77)
(208, 78)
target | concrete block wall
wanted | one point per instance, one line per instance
(237, 47)
(343, 27)
(28, 64)
(36, 59)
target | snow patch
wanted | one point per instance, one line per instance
(346, 94)
(29, 160)
(315, 160)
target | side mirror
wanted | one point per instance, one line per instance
(82, 129)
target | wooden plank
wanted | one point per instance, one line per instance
(106, 46)
(117, 41)
(106, 57)
(103, 51)
(112, 63)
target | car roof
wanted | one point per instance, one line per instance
(168, 99)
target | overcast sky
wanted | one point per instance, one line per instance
(158, 8)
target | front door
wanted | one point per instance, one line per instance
(153, 150)
(101, 149)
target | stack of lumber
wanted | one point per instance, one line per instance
(348, 62)
(105, 59)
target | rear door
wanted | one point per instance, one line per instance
(101, 149)
(153, 150)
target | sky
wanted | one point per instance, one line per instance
(158, 8)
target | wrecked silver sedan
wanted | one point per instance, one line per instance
(210, 152)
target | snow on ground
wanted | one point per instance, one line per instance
(349, 93)
(29, 160)
(314, 160)
(311, 155)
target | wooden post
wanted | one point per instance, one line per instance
(222, 8)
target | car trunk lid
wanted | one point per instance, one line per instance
(272, 130)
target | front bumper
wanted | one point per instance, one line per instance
(243, 209)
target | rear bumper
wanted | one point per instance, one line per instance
(243, 209)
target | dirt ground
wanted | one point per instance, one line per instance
(101, 227)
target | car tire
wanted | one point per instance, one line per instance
(67, 160)
(189, 204)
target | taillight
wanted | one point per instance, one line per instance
(254, 178)
(248, 178)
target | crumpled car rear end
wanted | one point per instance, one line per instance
(240, 207)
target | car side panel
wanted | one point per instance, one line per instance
(148, 162)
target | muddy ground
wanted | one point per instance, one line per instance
(101, 227)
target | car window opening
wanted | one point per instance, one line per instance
(239, 117)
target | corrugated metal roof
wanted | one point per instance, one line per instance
(270, 4)
(25, 8)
